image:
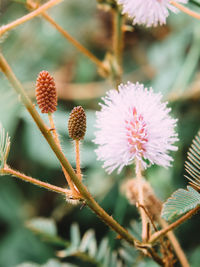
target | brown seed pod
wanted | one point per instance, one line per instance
(46, 92)
(151, 202)
(77, 123)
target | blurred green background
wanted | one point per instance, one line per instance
(166, 58)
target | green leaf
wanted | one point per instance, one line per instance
(192, 166)
(180, 202)
(42, 225)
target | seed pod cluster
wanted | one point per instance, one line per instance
(46, 95)
(77, 123)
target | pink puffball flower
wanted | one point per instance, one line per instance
(134, 124)
(148, 12)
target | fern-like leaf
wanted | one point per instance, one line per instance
(180, 202)
(4, 146)
(192, 166)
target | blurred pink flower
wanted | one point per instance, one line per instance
(133, 123)
(148, 12)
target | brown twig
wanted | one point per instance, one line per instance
(186, 10)
(60, 190)
(75, 193)
(29, 16)
(162, 232)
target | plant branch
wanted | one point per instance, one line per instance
(177, 248)
(141, 201)
(60, 190)
(75, 193)
(186, 10)
(162, 232)
(89, 200)
(29, 16)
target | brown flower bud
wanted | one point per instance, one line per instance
(151, 202)
(46, 92)
(77, 123)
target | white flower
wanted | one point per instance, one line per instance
(148, 12)
(134, 124)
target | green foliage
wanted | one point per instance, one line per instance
(83, 248)
(182, 201)
(192, 166)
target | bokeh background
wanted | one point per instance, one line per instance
(35, 224)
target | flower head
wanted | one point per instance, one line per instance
(148, 12)
(134, 124)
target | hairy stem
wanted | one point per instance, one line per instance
(78, 162)
(186, 10)
(141, 201)
(8, 170)
(69, 181)
(177, 248)
(29, 16)
(89, 200)
(162, 232)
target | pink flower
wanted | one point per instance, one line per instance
(134, 124)
(148, 12)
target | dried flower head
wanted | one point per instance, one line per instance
(148, 12)
(134, 123)
(151, 202)
(77, 123)
(46, 92)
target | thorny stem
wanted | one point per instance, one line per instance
(177, 248)
(8, 170)
(89, 200)
(141, 200)
(69, 181)
(186, 10)
(117, 44)
(78, 163)
(162, 232)
(29, 16)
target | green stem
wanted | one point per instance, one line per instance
(89, 200)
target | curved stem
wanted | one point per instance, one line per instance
(141, 201)
(29, 16)
(186, 10)
(89, 200)
(177, 248)
(8, 170)
(162, 232)
(69, 181)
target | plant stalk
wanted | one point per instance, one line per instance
(141, 201)
(29, 16)
(89, 200)
(186, 10)
(75, 193)
(8, 170)
(162, 232)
